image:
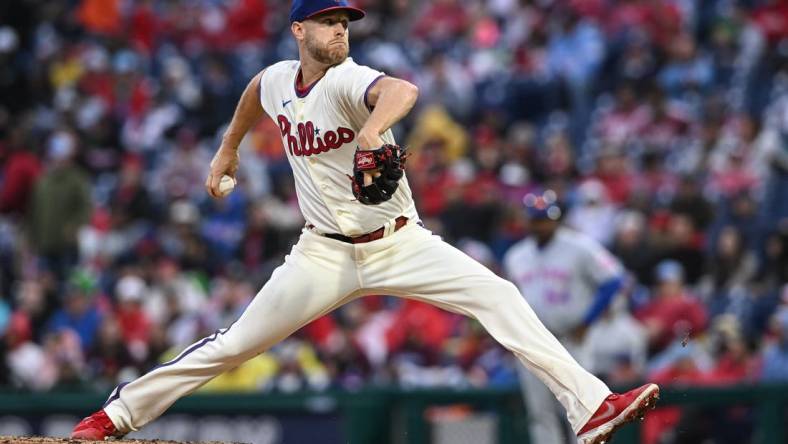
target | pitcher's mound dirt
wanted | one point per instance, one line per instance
(45, 440)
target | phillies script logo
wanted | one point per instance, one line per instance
(309, 141)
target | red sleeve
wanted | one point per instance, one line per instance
(320, 330)
(21, 174)
(697, 317)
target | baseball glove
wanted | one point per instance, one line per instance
(389, 160)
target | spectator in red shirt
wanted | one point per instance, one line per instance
(144, 26)
(20, 172)
(613, 169)
(734, 362)
(416, 320)
(133, 321)
(672, 313)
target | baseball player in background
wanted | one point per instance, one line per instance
(569, 280)
(363, 236)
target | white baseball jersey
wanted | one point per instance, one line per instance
(319, 128)
(560, 280)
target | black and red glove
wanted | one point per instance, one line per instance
(389, 161)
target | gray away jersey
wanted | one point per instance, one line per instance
(560, 281)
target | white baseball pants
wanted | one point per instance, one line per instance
(320, 274)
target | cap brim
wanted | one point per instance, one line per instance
(353, 13)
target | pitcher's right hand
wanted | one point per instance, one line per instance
(224, 162)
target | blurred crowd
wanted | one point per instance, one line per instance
(661, 125)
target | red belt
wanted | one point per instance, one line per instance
(369, 237)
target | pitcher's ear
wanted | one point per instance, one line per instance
(298, 29)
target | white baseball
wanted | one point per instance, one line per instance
(226, 185)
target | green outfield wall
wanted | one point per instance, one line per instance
(384, 416)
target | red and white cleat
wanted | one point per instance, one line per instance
(96, 427)
(616, 411)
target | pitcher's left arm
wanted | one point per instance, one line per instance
(390, 99)
(377, 167)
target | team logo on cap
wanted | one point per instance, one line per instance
(545, 205)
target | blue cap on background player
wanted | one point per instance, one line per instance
(301, 10)
(544, 206)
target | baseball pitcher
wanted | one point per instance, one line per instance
(362, 236)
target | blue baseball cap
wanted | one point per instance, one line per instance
(301, 10)
(543, 206)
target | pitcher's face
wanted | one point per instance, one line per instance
(326, 37)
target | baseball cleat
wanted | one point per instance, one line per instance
(616, 411)
(96, 427)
